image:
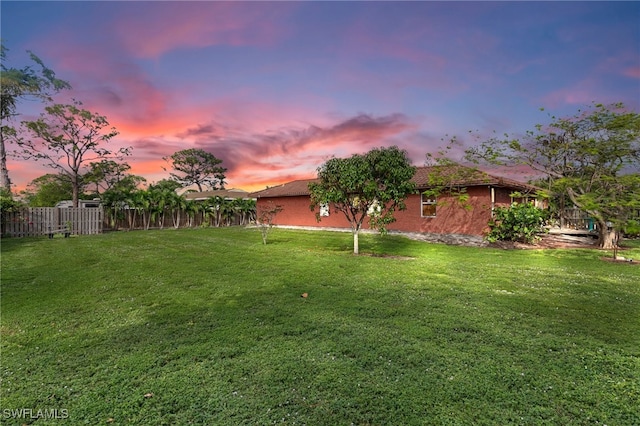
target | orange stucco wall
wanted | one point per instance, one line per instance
(450, 218)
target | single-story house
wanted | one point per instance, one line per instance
(444, 215)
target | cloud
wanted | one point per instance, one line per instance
(116, 75)
(114, 86)
(199, 130)
(263, 153)
(293, 151)
(633, 72)
(172, 25)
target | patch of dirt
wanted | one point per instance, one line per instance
(566, 241)
(550, 241)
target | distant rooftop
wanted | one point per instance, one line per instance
(228, 194)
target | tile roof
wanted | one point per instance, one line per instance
(289, 189)
(472, 177)
(420, 178)
(224, 193)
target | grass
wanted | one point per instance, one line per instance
(207, 326)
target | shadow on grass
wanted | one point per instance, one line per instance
(370, 243)
(8, 244)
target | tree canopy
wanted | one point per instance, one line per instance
(197, 167)
(105, 174)
(47, 190)
(372, 185)
(592, 158)
(67, 138)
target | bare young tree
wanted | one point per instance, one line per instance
(265, 218)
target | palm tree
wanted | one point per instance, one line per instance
(247, 209)
(227, 211)
(144, 205)
(113, 202)
(192, 208)
(178, 204)
(214, 209)
(138, 204)
(211, 210)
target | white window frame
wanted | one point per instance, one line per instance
(426, 201)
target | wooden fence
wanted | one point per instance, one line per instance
(574, 218)
(35, 221)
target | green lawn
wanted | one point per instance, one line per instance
(208, 326)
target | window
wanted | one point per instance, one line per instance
(428, 206)
(324, 210)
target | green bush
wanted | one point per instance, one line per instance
(7, 203)
(518, 222)
(632, 229)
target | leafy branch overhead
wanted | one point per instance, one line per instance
(446, 176)
(18, 84)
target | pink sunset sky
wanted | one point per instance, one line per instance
(274, 89)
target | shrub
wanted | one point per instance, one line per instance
(632, 228)
(518, 222)
(8, 203)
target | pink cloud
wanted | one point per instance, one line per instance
(172, 25)
(130, 98)
(120, 89)
(633, 72)
(278, 154)
(22, 173)
(581, 93)
(268, 150)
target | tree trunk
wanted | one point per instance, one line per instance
(5, 182)
(606, 236)
(356, 246)
(131, 217)
(75, 191)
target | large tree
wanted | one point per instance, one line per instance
(592, 158)
(47, 190)
(67, 139)
(17, 84)
(197, 167)
(105, 174)
(371, 185)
